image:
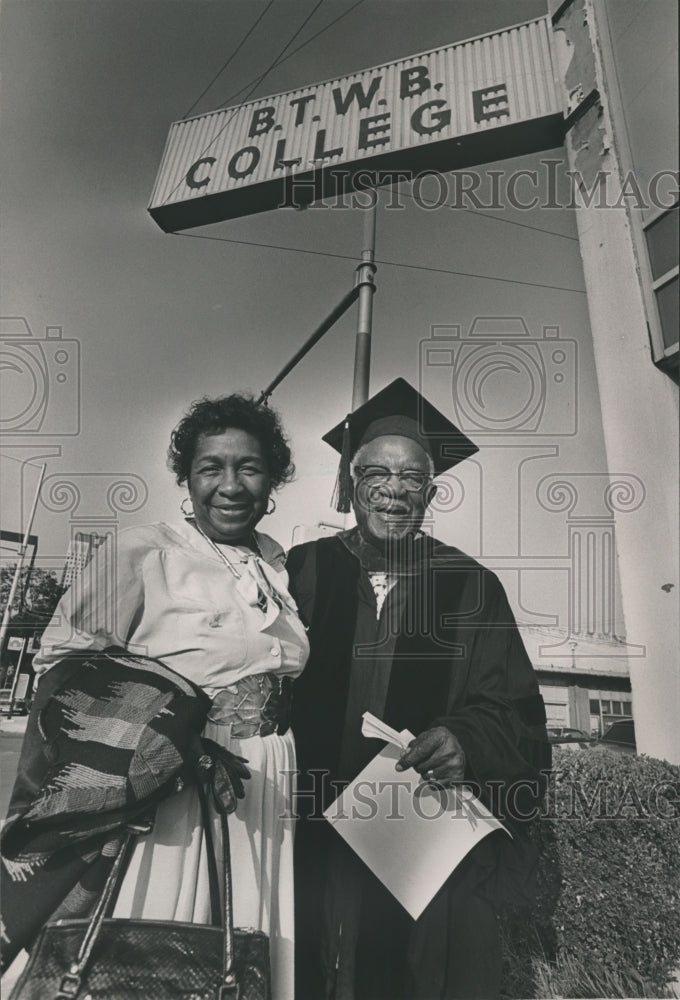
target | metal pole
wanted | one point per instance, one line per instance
(322, 329)
(365, 272)
(15, 681)
(21, 554)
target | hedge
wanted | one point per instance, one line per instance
(608, 900)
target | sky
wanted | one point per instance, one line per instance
(152, 321)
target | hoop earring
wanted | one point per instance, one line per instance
(187, 513)
(273, 507)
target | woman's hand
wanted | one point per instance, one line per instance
(227, 772)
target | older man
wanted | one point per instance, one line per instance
(422, 636)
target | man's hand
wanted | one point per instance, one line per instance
(437, 755)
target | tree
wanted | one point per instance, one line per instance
(38, 590)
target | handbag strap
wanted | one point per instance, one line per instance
(216, 915)
(229, 987)
(221, 915)
(71, 980)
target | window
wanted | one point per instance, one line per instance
(606, 707)
(667, 301)
(662, 242)
(594, 706)
(661, 235)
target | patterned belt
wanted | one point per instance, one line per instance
(254, 706)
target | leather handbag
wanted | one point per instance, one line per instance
(102, 958)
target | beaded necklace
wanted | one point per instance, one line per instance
(264, 593)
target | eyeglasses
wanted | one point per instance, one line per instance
(376, 475)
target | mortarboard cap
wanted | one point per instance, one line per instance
(397, 409)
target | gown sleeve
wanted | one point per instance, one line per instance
(99, 610)
(499, 719)
(301, 569)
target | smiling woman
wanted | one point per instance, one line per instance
(229, 485)
(231, 453)
(209, 598)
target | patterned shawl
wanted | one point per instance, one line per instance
(110, 734)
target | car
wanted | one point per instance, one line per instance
(576, 739)
(619, 736)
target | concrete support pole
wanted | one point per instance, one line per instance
(639, 403)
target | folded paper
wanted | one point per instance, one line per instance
(411, 833)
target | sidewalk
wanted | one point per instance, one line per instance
(14, 726)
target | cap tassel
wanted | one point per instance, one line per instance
(342, 494)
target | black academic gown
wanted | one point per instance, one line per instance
(445, 651)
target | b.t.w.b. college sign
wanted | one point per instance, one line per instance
(476, 101)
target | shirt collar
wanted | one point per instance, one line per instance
(406, 561)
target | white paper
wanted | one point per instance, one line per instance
(411, 834)
(374, 728)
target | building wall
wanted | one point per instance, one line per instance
(639, 401)
(590, 703)
(642, 40)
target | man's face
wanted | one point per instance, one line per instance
(389, 508)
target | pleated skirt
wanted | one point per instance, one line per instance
(167, 878)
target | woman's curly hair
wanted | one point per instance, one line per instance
(214, 416)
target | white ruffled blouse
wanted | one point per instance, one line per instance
(163, 591)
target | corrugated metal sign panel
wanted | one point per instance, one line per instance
(413, 114)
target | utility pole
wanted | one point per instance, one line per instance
(365, 272)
